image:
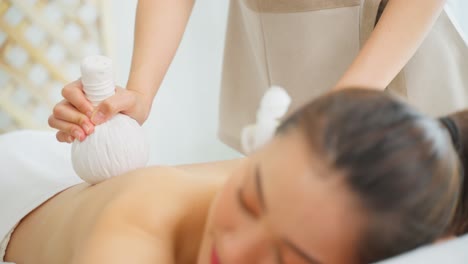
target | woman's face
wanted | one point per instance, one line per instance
(283, 206)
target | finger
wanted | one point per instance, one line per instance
(121, 101)
(66, 112)
(67, 127)
(73, 93)
(64, 137)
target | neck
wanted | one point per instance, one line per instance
(190, 233)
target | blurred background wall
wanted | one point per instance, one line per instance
(40, 43)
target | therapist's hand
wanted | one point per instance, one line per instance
(75, 117)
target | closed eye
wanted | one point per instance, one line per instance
(248, 209)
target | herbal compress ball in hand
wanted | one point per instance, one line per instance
(116, 146)
(274, 105)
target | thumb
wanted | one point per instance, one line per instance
(111, 106)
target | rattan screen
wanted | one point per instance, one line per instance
(41, 45)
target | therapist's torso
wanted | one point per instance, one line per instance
(305, 46)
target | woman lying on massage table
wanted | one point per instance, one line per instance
(356, 176)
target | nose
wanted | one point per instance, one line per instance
(251, 245)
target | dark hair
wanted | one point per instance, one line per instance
(457, 126)
(400, 163)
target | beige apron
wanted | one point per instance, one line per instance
(305, 46)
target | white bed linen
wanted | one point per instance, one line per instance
(33, 168)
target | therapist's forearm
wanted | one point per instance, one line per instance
(159, 27)
(399, 33)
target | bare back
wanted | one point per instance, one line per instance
(140, 217)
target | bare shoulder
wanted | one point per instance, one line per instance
(143, 217)
(158, 196)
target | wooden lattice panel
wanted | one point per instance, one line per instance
(41, 45)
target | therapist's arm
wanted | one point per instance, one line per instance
(401, 30)
(159, 27)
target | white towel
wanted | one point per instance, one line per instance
(33, 168)
(451, 252)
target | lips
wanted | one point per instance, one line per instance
(214, 256)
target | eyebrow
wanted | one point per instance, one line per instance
(291, 245)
